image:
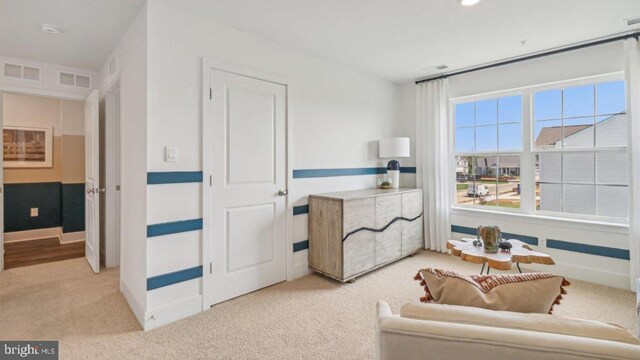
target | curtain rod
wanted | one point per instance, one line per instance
(635, 35)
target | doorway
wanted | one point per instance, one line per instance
(52, 191)
(245, 155)
(42, 179)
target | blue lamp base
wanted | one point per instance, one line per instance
(393, 172)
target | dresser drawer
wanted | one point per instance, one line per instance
(389, 241)
(359, 248)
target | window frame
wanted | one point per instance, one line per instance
(528, 152)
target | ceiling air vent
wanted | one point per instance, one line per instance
(24, 72)
(75, 80)
(634, 21)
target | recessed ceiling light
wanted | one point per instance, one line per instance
(50, 29)
(468, 2)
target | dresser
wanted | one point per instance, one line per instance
(354, 232)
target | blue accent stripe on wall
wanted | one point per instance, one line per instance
(173, 177)
(175, 277)
(302, 209)
(174, 227)
(589, 249)
(531, 240)
(315, 173)
(463, 230)
(302, 245)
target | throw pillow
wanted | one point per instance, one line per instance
(527, 293)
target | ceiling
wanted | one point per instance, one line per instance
(91, 29)
(399, 39)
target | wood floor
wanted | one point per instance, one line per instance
(33, 252)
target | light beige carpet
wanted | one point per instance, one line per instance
(309, 318)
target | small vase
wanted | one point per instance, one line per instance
(490, 236)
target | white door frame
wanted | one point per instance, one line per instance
(112, 175)
(7, 89)
(207, 120)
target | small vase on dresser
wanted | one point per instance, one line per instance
(354, 232)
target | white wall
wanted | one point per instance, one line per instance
(571, 65)
(131, 55)
(337, 115)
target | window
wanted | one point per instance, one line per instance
(580, 150)
(488, 143)
(563, 151)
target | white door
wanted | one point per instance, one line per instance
(246, 149)
(92, 176)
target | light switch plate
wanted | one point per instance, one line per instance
(34, 212)
(170, 154)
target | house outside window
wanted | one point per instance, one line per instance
(551, 149)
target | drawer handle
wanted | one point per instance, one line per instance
(382, 228)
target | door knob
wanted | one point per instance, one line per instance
(283, 192)
(97, 190)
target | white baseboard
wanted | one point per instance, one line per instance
(300, 270)
(72, 237)
(133, 304)
(27, 235)
(172, 312)
(596, 276)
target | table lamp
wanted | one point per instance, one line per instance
(396, 147)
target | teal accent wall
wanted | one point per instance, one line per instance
(72, 207)
(59, 205)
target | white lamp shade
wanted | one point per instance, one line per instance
(394, 147)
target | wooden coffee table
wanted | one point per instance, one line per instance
(520, 253)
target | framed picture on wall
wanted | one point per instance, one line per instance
(27, 147)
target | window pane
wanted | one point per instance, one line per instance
(547, 134)
(579, 199)
(579, 101)
(509, 182)
(464, 179)
(486, 138)
(549, 197)
(612, 201)
(578, 168)
(611, 169)
(464, 114)
(610, 98)
(510, 109)
(547, 105)
(510, 137)
(486, 112)
(549, 168)
(486, 177)
(464, 139)
(578, 132)
(611, 131)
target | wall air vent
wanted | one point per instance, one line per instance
(23, 72)
(634, 21)
(75, 80)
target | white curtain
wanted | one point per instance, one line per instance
(434, 157)
(632, 78)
